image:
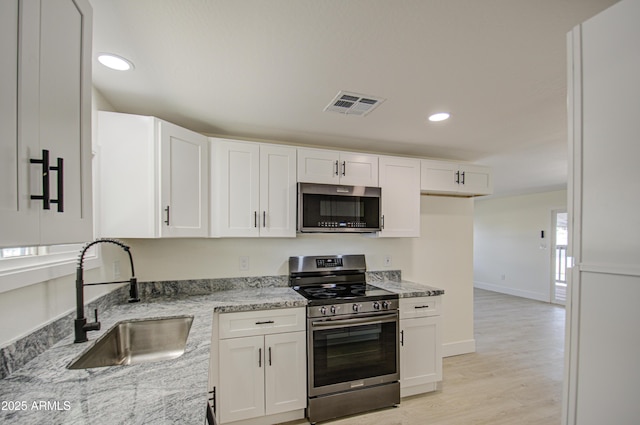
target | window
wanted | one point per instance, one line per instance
(24, 266)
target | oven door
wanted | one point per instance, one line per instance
(353, 352)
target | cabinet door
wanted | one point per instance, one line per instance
(65, 119)
(184, 182)
(236, 188)
(19, 225)
(358, 169)
(241, 378)
(285, 372)
(420, 351)
(475, 180)
(318, 166)
(438, 176)
(400, 183)
(277, 191)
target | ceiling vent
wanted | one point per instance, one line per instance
(353, 104)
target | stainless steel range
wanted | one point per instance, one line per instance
(352, 332)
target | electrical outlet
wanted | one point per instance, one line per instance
(387, 261)
(244, 263)
(116, 269)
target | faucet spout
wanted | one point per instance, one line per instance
(81, 326)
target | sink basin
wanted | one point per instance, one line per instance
(137, 341)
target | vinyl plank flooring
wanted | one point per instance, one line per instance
(514, 377)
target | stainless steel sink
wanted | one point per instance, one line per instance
(137, 341)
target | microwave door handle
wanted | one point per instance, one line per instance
(343, 323)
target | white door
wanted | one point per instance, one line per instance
(475, 179)
(236, 195)
(19, 225)
(400, 183)
(358, 169)
(438, 176)
(241, 378)
(286, 372)
(420, 355)
(64, 122)
(318, 166)
(277, 191)
(184, 159)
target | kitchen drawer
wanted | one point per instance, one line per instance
(261, 322)
(419, 307)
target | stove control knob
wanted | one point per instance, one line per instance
(385, 305)
(356, 307)
(323, 310)
(376, 305)
(333, 309)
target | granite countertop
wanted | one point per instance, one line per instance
(408, 289)
(174, 391)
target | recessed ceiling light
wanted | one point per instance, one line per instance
(440, 116)
(115, 62)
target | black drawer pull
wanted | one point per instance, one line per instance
(266, 322)
(421, 306)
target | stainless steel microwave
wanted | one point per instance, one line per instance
(328, 208)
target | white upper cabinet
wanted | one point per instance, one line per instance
(45, 117)
(253, 189)
(400, 183)
(334, 167)
(452, 178)
(153, 178)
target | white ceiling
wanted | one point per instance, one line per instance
(265, 70)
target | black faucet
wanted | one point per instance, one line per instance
(81, 325)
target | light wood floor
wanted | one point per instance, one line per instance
(514, 377)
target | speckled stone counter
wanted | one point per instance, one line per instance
(407, 289)
(172, 392)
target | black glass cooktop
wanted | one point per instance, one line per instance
(343, 292)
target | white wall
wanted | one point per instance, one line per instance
(507, 243)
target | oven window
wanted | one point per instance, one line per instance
(353, 353)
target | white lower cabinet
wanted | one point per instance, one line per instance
(420, 345)
(261, 378)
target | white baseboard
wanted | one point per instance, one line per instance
(511, 291)
(459, 347)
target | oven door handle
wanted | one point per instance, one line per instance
(343, 323)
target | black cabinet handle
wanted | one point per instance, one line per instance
(60, 184)
(269, 356)
(421, 306)
(255, 219)
(259, 357)
(337, 167)
(45, 197)
(167, 211)
(457, 177)
(344, 167)
(462, 182)
(265, 322)
(46, 191)
(402, 338)
(264, 219)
